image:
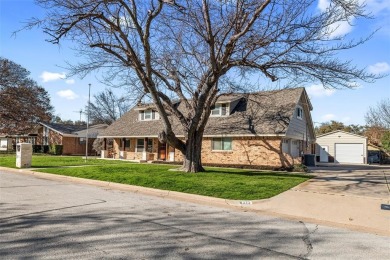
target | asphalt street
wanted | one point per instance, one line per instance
(46, 219)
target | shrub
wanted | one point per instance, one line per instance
(46, 148)
(299, 168)
(56, 149)
(37, 148)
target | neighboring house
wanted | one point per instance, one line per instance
(71, 137)
(341, 147)
(270, 128)
(8, 142)
(5, 143)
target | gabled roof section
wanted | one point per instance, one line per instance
(340, 131)
(76, 130)
(93, 131)
(265, 113)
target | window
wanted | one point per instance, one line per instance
(222, 144)
(299, 113)
(220, 110)
(150, 145)
(45, 136)
(82, 140)
(140, 145)
(127, 143)
(148, 115)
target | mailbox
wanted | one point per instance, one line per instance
(23, 155)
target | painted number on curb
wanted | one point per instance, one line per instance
(246, 202)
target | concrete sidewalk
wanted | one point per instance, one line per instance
(311, 201)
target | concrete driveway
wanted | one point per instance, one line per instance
(344, 195)
(360, 180)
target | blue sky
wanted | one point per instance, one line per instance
(45, 61)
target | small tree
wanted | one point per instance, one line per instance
(379, 116)
(191, 51)
(97, 145)
(386, 141)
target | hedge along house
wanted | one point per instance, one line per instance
(71, 137)
(270, 128)
(341, 147)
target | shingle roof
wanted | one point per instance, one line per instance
(65, 128)
(261, 113)
(93, 131)
(77, 130)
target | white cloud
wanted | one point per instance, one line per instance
(337, 29)
(328, 117)
(70, 81)
(340, 28)
(377, 6)
(323, 4)
(378, 68)
(67, 94)
(52, 76)
(319, 91)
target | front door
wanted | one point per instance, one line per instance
(162, 151)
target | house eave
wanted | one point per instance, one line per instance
(182, 136)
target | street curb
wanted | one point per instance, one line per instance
(240, 205)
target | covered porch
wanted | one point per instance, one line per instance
(137, 149)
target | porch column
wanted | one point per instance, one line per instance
(144, 153)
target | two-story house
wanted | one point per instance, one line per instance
(269, 128)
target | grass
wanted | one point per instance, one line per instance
(47, 161)
(223, 183)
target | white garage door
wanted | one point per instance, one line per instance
(349, 153)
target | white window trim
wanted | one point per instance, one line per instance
(299, 115)
(136, 146)
(152, 113)
(212, 144)
(219, 106)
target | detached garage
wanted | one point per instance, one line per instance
(341, 147)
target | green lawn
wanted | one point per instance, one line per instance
(216, 182)
(47, 161)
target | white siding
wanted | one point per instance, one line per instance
(301, 129)
(339, 137)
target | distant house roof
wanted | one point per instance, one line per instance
(76, 130)
(93, 131)
(340, 131)
(266, 113)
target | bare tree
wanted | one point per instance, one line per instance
(108, 107)
(192, 51)
(379, 116)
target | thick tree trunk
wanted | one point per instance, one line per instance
(192, 156)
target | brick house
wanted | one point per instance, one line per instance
(269, 128)
(9, 141)
(71, 137)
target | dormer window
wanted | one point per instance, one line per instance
(220, 110)
(149, 114)
(299, 113)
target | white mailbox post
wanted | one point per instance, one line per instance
(23, 155)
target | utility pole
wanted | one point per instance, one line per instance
(86, 137)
